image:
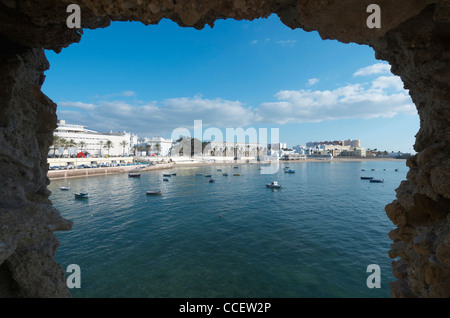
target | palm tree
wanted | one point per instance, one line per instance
(123, 143)
(56, 144)
(140, 148)
(101, 145)
(135, 147)
(148, 147)
(109, 145)
(68, 144)
(158, 148)
(82, 144)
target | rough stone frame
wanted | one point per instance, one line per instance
(414, 39)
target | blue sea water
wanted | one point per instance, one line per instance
(315, 237)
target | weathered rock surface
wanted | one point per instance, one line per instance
(414, 39)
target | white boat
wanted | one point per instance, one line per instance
(81, 195)
(273, 184)
(65, 188)
(134, 175)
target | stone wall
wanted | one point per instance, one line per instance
(414, 39)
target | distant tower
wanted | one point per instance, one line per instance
(356, 143)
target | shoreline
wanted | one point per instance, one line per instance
(92, 172)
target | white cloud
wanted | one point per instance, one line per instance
(161, 117)
(350, 101)
(254, 42)
(384, 82)
(128, 93)
(313, 81)
(378, 68)
(384, 96)
(287, 42)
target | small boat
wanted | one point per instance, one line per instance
(236, 167)
(236, 174)
(289, 171)
(274, 185)
(363, 169)
(208, 175)
(219, 169)
(377, 180)
(154, 192)
(211, 181)
(198, 174)
(374, 169)
(165, 179)
(134, 175)
(174, 174)
(64, 188)
(366, 178)
(396, 169)
(81, 195)
(167, 175)
(225, 174)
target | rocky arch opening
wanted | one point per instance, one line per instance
(414, 40)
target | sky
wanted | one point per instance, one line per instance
(151, 80)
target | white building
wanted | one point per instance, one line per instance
(240, 150)
(92, 142)
(157, 146)
(276, 148)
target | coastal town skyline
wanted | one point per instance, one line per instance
(238, 74)
(71, 139)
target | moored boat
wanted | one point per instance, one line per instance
(81, 195)
(165, 179)
(64, 188)
(274, 185)
(366, 178)
(154, 192)
(289, 171)
(225, 174)
(167, 175)
(211, 180)
(208, 175)
(134, 175)
(236, 174)
(377, 180)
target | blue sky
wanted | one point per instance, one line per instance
(152, 79)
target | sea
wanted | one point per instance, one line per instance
(319, 236)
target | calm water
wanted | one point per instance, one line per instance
(313, 238)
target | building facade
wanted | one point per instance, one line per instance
(234, 149)
(91, 142)
(157, 146)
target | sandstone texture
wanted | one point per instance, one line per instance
(414, 39)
